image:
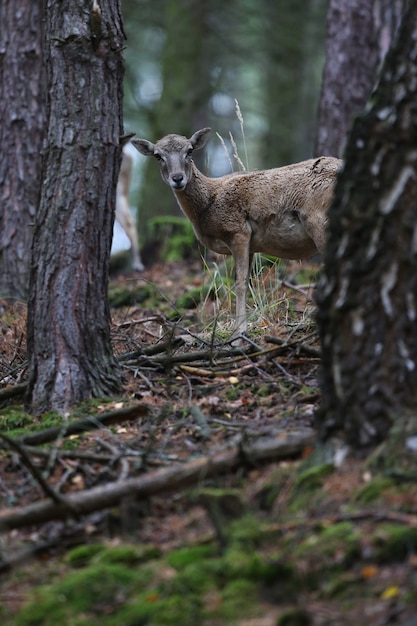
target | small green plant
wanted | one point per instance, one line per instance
(266, 302)
(265, 290)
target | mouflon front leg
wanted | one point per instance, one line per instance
(242, 259)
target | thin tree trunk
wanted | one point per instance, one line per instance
(22, 125)
(186, 92)
(293, 40)
(359, 34)
(348, 72)
(70, 354)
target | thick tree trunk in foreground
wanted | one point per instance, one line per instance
(359, 33)
(22, 124)
(70, 355)
(368, 293)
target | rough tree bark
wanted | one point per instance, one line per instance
(22, 124)
(70, 354)
(359, 33)
(367, 295)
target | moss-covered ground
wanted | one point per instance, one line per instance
(291, 542)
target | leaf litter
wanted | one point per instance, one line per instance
(347, 552)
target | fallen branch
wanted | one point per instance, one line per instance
(160, 481)
(294, 345)
(13, 390)
(157, 348)
(222, 368)
(36, 473)
(206, 355)
(376, 515)
(81, 426)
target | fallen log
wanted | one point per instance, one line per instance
(159, 481)
(81, 426)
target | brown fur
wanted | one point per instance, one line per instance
(281, 212)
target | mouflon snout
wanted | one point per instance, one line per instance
(177, 181)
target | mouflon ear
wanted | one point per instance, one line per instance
(200, 137)
(125, 139)
(144, 146)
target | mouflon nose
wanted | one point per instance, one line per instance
(177, 179)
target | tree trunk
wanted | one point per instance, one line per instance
(186, 91)
(293, 39)
(22, 124)
(367, 295)
(70, 355)
(359, 33)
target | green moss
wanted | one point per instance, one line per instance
(14, 417)
(343, 586)
(312, 478)
(177, 237)
(179, 559)
(342, 530)
(192, 298)
(137, 613)
(222, 506)
(178, 609)
(127, 554)
(373, 490)
(81, 555)
(45, 610)
(100, 553)
(263, 391)
(97, 589)
(232, 393)
(16, 423)
(239, 563)
(393, 456)
(238, 600)
(246, 532)
(50, 419)
(295, 617)
(307, 491)
(154, 609)
(337, 546)
(282, 573)
(127, 296)
(394, 542)
(197, 577)
(306, 275)
(278, 481)
(89, 407)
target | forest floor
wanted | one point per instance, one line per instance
(232, 515)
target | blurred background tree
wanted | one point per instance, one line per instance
(187, 62)
(358, 36)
